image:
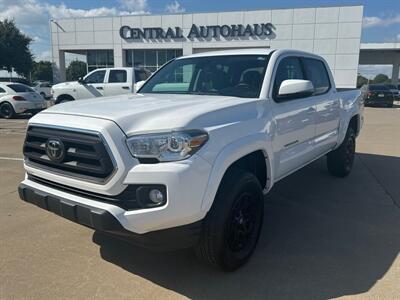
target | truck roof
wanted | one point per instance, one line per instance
(252, 51)
(247, 51)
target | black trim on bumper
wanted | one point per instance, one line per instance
(162, 240)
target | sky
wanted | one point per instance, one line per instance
(381, 17)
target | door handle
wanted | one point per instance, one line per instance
(99, 88)
(125, 87)
(291, 143)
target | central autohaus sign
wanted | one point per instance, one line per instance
(215, 31)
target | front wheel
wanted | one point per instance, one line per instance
(233, 225)
(6, 110)
(340, 161)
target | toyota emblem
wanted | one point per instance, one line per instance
(55, 150)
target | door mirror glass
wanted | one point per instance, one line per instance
(295, 88)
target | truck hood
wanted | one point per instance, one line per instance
(161, 112)
(67, 84)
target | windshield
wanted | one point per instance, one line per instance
(20, 88)
(230, 75)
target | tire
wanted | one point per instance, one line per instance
(232, 227)
(340, 161)
(64, 99)
(7, 110)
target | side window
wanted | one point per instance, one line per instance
(117, 76)
(96, 77)
(141, 75)
(289, 68)
(317, 74)
(2, 91)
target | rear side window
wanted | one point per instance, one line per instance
(141, 75)
(2, 90)
(20, 88)
(117, 76)
(317, 74)
(289, 68)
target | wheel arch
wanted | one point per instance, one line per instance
(246, 153)
(354, 120)
(64, 97)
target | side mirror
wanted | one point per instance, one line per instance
(295, 88)
(81, 80)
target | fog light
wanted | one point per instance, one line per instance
(156, 196)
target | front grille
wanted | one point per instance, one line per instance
(85, 154)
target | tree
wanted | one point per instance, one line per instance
(361, 80)
(42, 70)
(381, 78)
(14, 49)
(76, 69)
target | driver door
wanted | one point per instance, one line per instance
(93, 85)
(294, 121)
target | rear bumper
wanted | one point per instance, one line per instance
(29, 106)
(99, 219)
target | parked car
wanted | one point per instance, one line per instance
(101, 82)
(17, 98)
(378, 95)
(394, 89)
(43, 88)
(187, 161)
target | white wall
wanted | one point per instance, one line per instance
(333, 32)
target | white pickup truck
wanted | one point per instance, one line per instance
(187, 161)
(99, 83)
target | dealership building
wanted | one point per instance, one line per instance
(152, 40)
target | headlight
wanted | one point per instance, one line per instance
(170, 146)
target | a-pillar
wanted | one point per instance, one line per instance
(59, 74)
(395, 73)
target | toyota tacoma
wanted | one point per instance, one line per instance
(188, 160)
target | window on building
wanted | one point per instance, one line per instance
(117, 76)
(151, 59)
(99, 59)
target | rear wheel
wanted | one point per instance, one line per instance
(233, 225)
(6, 110)
(340, 161)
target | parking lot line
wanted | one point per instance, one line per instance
(11, 158)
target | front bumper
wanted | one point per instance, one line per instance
(186, 181)
(100, 219)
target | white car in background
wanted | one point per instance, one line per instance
(101, 82)
(17, 98)
(43, 88)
